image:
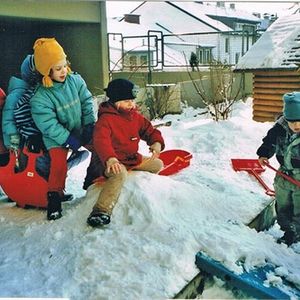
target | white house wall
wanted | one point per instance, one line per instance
(164, 17)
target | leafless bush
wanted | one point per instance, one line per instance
(220, 91)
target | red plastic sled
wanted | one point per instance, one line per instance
(26, 187)
(29, 187)
(174, 160)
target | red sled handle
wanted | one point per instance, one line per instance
(289, 178)
(269, 191)
(178, 161)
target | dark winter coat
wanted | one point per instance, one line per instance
(23, 117)
(284, 143)
(2, 102)
(117, 134)
(22, 112)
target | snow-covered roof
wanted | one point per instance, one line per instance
(198, 10)
(277, 48)
(164, 14)
(195, 10)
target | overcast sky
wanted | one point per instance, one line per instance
(118, 8)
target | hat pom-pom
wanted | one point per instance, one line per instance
(47, 81)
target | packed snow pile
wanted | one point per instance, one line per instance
(159, 224)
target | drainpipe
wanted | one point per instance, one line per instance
(103, 47)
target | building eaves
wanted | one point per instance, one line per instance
(193, 16)
(278, 47)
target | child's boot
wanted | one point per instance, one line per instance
(98, 218)
(67, 197)
(54, 206)
(290, 236)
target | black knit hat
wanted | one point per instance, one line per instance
(121, 89)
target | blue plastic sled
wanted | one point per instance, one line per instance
(251, 282)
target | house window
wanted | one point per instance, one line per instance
(249, 28)
(132, 18)
(207, 56)
(144, 60)
(204, 56)
(226, 45)
(201, 56)
(133, 61)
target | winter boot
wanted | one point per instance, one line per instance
(67, 197)
(97, 218)
(290, 236)
(54, 206)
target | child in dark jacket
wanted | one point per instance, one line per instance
(4, 153)
(29, 133)
(116, 138)
(283, 139)
(62, 109)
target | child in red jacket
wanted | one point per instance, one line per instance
(116, 138)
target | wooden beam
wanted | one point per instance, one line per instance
(278, 79)
(265, 114)
(277, 85)
(268, 97)
(268, 102)
(276, 73)
(263, 119)
(272, 91)
(264, 108)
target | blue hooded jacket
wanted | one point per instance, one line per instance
(63, 109)
(16, 88)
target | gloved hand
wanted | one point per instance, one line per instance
(87, 134)
(72, 142)
(14, 140)
(155, 147)
(35, 143)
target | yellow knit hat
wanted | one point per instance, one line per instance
(47, 52)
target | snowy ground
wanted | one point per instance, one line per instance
(159, 224)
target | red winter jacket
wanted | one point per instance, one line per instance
(117, 134)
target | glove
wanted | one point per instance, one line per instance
(35, 143)
(14, 140)
(156, 147)
(72, 142)
(87, 134)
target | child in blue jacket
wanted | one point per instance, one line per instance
(62, 109)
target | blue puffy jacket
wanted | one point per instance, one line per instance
(62, 109)
(16, 88)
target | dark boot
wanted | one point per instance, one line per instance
(67, 197)
(290, 236)
(97, 218)
(54, 206)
